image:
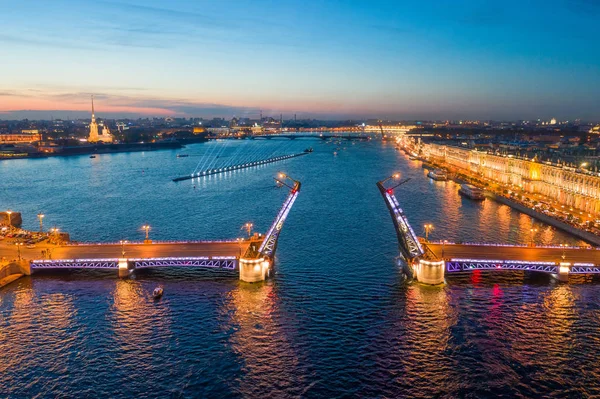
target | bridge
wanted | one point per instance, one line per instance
(428, 262)
(320, 136)
(252, 257)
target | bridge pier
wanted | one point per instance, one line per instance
(563, 272)
(254, 270)
(430, 272)
(124, 268)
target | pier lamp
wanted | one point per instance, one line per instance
(428, 228)
(9, 212)
(40, 217)
(146, 228)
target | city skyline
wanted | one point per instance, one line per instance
(468, 60)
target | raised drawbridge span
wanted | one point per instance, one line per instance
(252, 257)
(429, 262)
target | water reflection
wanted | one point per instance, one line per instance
(269, 360)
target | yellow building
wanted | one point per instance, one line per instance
(565, 185)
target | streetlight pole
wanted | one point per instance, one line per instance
(533, 231)
(564, 253)
(19, 244)
(41, 216)
(428, 228)
(123, 242)
(248, 226)
(147, 229)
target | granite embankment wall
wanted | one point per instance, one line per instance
(9, 272)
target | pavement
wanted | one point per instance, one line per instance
(572, 255)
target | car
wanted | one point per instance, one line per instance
(30, 246)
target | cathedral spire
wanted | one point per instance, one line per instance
(93, 117)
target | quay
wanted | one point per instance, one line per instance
(252, 257)
(494, 191)
(429, 262)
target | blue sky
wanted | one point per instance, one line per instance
(336, 59)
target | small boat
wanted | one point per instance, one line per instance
(309, 149)
(92, 156)
(158, 292)
(472, 192)
(182, 155)
(437, 174)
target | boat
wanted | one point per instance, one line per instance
(158, 292)
(472, 192)
(309, 149)
(437, 174)
(182, 155)
(92, 156)
(412, 157)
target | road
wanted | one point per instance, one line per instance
(453, 251)
(112, 251)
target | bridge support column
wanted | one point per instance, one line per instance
(123, 268)
(563, 272)
(23, 267)
(254, 270)
(430, 272)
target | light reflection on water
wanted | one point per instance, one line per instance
(337, 320)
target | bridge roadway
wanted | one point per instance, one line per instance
(132, 250)
(516, 253)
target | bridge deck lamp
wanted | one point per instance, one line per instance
(395, 176)
(533, 231)
(281, 179)
(146, 228)
(9, 212)
(41, 217)
(428, 228)
(123, 242)
(19, 245)
(248, 226)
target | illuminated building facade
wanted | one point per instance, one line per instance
(94, 137)
(26, 136)
(564, 185)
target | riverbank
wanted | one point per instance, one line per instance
(100, 149)
(462, 178)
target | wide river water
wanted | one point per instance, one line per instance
(337, 319)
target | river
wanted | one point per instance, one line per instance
(337, 319)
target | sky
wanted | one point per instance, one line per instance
(333, 59)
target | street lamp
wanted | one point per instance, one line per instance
(390, 190)
(564, 254)
(147, 229)
(123, 242)
(281, 180)
(41, 216)
(9, 212)
(248, 226)
(533, 231)
(428, 228)
(19, 244)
